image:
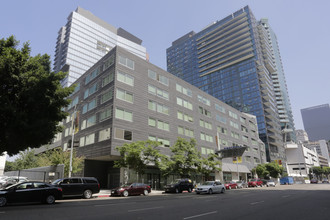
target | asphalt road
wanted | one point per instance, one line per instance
(305, 201)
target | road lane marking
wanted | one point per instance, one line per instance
(254, 203)
(137, 210)
(124, 203)
(2, 212)
(196, 216)
(286, 196)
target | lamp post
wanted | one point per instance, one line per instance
(72, 140)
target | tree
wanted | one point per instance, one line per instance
(31, 98)
(185, 158)
(54, 157)
(318, 171)
(274, 169)
(261, 170)
(209, 165)
(138, 155)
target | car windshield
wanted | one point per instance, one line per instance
(208, 183)
(176, 181)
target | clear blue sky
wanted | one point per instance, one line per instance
(302, 28)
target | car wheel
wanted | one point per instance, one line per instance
(125, 193)
(145, 192)
(229, 187)
(88, 194)
(3, 201)
(189, 190)
(210, 191)
(223, 190)
(50, 199)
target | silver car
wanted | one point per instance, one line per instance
(211, 187)
(270, 183)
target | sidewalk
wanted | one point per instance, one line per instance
(107, 192)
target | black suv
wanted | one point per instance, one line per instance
(78, 186)
(180, 185)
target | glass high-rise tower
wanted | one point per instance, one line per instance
(234, 59)
(85, 39)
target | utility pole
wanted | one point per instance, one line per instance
(72, 140)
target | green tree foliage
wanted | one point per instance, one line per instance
(261, 170)
(185, 158)
(28, 159)
(209, 165)
(318, 171)
(31, 98)
(138, 155)
(269, 170)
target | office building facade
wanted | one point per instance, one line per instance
(234, 60)
(123, 99)
(316, 122)
(85, 39)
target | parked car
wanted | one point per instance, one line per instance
(30, 192)
(231, 185)
(242, 184)
(314, 181)
(131, 189)
(7, 181)
(255, 182)
(270, 183)
(20, 179)
(78, 186)
(210, 187)
(180, 185)
(325, 181)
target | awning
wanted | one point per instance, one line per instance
(233, 168)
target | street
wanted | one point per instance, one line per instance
(300, 201)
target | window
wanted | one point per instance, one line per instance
(125, 78)
(242, 119)
(220, 108)
(221, 119)
(244, 129)
(77, 88)
(206, 151)
(124, 95)
(159, 124)
(222, 130)
(245, 138)
(185, 131)
(105, 114)
(90, 90)
(126, 62)
(252, 125)
(109, 62)
(235, 135)
(233, 124)
(89, 106)
(184, 103)
(204, 112)
(108, 79)
(123, 134)
(104, 134)
(154, 106)
(254, 142)
(106, 96)
(233, 115)
(185, 117)
(205, 124)
(162, 79)
(82, 142)
(159, 92)
(183, 90)
(124, 115)
(91, 121)
(164, 142)
(92, 75)
(204, 100)
(206, 137)
(90, 139)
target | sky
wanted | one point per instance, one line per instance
(302, 28)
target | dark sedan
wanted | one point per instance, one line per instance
(131, 189)
(30, 192)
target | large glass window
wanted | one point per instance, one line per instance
(104, 134)
(204, 111)
(203, 100)
(154, 106)
(106, 96)
(124, 95)
(123, 134)
(159, 92)
(162, 79)
(90, 90)
(91, 121)
(184, 103)
(89, 106)
(183, 90)
(124, 114)
(105, 114)
(185, 117)
(90, 139)
(108, 79)
(125, 78)
(109, 62)
(126, 62)
(220, 108)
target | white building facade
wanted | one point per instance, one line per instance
(85, 39)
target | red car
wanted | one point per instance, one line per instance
(131, 189)
(231, 185)
(255, 182)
